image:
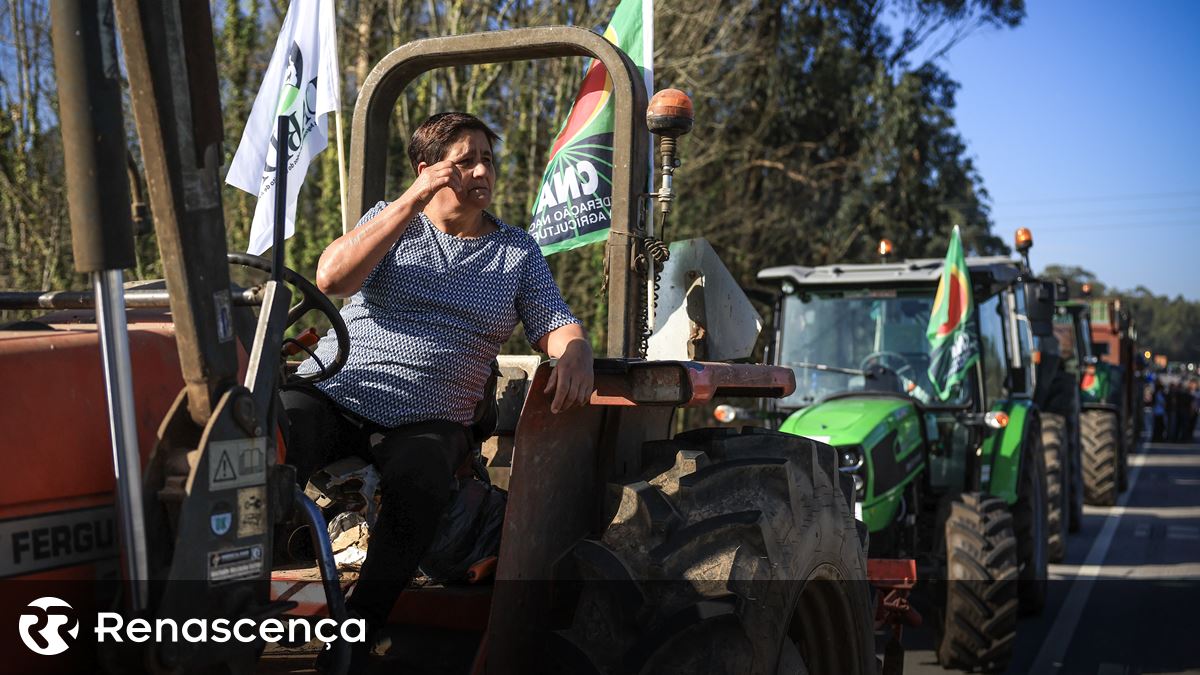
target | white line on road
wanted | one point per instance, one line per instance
(1183, 532)
(1168, 571)
(1174, 461)
(1156, 512)
(1054, 645)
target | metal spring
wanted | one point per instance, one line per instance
(657, 250)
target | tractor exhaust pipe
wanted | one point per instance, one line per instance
(93, 130)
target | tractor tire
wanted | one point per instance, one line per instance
(980, 622)
(1054, 447)
(1129, 444)
(1099, 432)
(1029, 523)
(1074, 477)
(739, 554)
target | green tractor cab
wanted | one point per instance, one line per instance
(933, 476)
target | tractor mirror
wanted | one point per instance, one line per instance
(1039, 307)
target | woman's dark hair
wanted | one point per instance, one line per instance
(436, 134)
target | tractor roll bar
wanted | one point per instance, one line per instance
(631, 140)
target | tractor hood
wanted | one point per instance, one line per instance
(885, 432)
(854, 420)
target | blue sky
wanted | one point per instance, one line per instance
(1085, 124)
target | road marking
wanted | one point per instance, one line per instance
(1054, 645)
(1165, 460)
(1169, 571)
(1183, 532)
(1156, 512)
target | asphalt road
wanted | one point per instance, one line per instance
(1127, 598)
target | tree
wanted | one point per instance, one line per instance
(818, 128)
(1165, 325)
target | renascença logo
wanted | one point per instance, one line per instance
(43, 626)
(42, 629)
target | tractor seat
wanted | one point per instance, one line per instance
(506, 396)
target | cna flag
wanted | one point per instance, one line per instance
(953, 347)
(302, 84)
(574, 204)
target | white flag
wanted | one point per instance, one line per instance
(302, 83)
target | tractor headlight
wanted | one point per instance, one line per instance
(725, 414)
(850, 458)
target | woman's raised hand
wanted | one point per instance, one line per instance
(432, 178)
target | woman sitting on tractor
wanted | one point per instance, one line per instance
(436, 286)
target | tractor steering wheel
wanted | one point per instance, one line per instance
(311, 298)
(880, 356)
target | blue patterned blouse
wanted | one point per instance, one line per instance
(430, 318)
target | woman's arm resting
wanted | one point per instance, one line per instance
(572, 379)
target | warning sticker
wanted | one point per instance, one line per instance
(252, 511)
(236, 563)
(237, 463)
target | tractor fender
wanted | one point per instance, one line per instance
(1000, 459)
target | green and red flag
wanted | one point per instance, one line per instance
(953, 347)
(574, 204)
(1093, 383)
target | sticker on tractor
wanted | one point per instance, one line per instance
(251, 511)
(224, 311)
(231, 564)
(238, 463)
(221, 519)
(51, 540)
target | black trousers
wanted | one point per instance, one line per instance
(416, 463)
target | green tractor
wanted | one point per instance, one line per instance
(1105, 425)
(1056, 395)
(957, 484)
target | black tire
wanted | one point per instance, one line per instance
(1029, 522)
(1075, 476)
(980, 623)
(741, 556)
(1099, 432)
(1058, 493)
(1129, 443)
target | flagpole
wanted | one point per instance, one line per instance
(341, 149)
(648, 58)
